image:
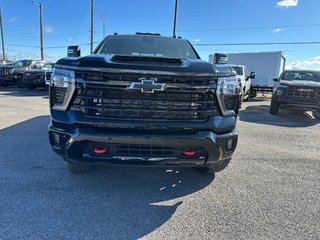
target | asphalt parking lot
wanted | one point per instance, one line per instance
(271, 189)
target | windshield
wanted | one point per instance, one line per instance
(239, 70)
(301, 75)
(23, 63)
(47, 67)
(147, 46)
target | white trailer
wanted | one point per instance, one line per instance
(266, 65)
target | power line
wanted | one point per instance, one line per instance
(255, 44)
(50, 47)
(80, 24)
(251, 28)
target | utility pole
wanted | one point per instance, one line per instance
(175, 19)
(92, 25)
(2, 38)
(104, 18)
(41, 31)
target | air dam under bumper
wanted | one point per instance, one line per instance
(135, 149)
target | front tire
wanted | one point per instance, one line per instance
(274, 107)
(211, 169)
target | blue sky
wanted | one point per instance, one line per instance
(67, 22)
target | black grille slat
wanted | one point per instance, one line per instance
(58, 95)
(142, 100)
(144, 150)
(103, 77)
(231, 102)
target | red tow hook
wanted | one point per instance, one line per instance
(189, 152)
(99, 150)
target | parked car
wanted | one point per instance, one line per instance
(143, 99)
(5, 62)
(12, 74)
(37, 77)
(244, 80)
(299, 89)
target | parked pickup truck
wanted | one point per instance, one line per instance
(38, 77)
(299, 89)
(244, 80)
(12, 74)
(143, 99)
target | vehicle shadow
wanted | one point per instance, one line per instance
(286, 118)
(23, 92)
(41, 199)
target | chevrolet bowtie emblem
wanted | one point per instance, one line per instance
(147, 86)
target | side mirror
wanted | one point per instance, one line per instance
(220, 58)
(252, 75)
(74, 51)
(276, 79)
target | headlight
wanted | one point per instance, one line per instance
(228, 90)
(62, 88)
(62, 78)
(228, 86)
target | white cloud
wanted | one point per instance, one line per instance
(197, 40)
(287, 3)
(48, 29)
(13, 19)
(313, 63)
(277, 30)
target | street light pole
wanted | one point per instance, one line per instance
(41, 32)
(175, 19)
(92, 25)
(2, 37)
(104, 18)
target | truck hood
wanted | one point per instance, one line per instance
(300, 83)
(98, 62)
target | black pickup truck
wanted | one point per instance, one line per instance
(298, 89)
(38, 77)
(12, 74)
(143, 99)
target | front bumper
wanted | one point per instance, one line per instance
(75, 142)
(38, 82)
(8, 79)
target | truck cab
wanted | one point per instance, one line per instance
(244, 79)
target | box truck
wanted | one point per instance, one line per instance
(266, 65)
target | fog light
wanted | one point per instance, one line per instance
(99, 150)
(229, 144)
(189, 152)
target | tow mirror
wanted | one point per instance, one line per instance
(74, 51)
(220, 58)
(276, 79)
(252, 75)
